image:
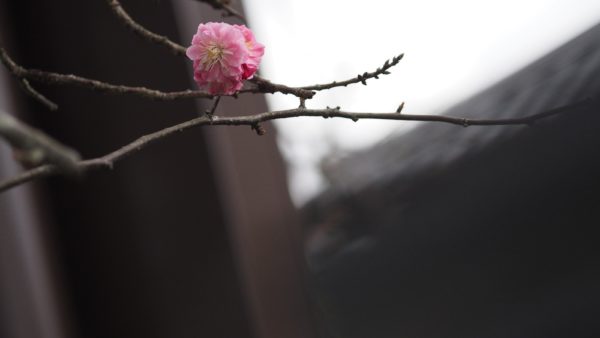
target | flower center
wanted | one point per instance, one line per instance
(214, 54)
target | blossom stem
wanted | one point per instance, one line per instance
(212, 110)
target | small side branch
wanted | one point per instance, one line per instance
(254, 122)
(37, 95)
(360, 78)
(34, 147)
(140, 30)
(225, 7)
(210, 112)
(15, 70)
(109, 88)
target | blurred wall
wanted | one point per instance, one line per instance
(193, 236)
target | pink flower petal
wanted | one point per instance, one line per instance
(223, 56)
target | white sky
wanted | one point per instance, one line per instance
(453, 49)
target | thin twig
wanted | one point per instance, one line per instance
(360, 78)
(400, 107)
(212, 110)
(37, 95)
(224, 6)
(107, 161)
(34, 147)
(105, 87)
(13, 68)
(140, 30)
(70, 79)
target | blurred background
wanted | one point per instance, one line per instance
(452, 51)
(321, 228)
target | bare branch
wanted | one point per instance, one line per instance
(223, 5)
(34, 147)
(262, 85)
(140, 30)
(30, 175)
(307, 92)
(14, 69)
(361, 78)
(215, 104)
(266, 86)
(253, 121)
(70, 79)
(37, 95)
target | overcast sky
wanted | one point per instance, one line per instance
(453, 49)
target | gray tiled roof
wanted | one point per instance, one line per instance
(566, 75)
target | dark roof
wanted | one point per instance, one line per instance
(566, 75)
(474, 232)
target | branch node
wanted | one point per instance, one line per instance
(400, 107)
(302, 103)
(258, 128)
(362, 79)
(266, 86)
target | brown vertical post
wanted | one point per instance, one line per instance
(263, 223)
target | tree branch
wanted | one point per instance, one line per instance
(223, 5)
(34, 147)
(263, 85)
(14, 69)
(140, 30)
(362, 78)
(37, 95)
(107, 161)
(266, 86)
(70, 79)
(211, 112)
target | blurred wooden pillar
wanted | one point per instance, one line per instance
(260, 216)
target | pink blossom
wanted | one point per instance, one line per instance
(223, 56)
(255, 52)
